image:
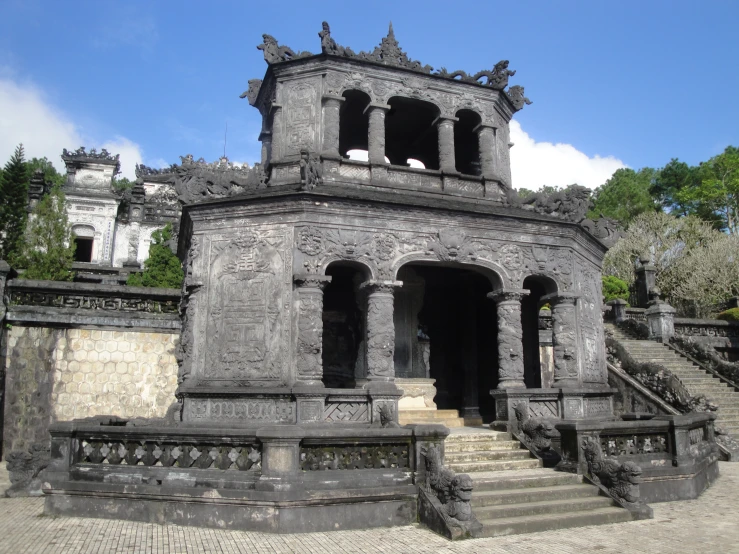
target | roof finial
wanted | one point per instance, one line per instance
(390, 32)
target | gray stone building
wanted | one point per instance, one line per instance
(327, 301)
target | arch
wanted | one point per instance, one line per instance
(538, 285)
(410, 132)
(84, 231)
(466, 143)
(343, 323)
(494, 273)
(367, 271)
(353, 121)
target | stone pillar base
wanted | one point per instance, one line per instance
(418, 394)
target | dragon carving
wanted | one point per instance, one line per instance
(453, 490)
(621, 480)
(537, 433)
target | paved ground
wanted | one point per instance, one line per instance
(706, 525)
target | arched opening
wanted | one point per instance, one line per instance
(535, 374)
(446, 329)
(353, 122)
(343, 324)
(84, 239)
(466, 143)
(410, 132)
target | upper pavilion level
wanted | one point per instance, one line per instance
(439, 132)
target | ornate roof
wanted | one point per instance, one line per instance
(389, 53)
(81, 155)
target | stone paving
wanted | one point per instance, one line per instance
(706, 525)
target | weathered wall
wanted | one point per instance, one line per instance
(63, 374)
(75, 350)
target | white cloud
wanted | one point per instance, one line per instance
(27, 117)
(534, 164)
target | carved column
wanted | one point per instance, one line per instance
(266, 138)
(331, 122)
(277, 135)
(445, 126)
(380, 330)
(376, 139)
(564, 338)
(486, 140)
(310, 328)
(510, 337)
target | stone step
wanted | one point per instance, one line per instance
(449, 418)
(532, 494)
(486, 456)
(548, 522)
(528, 478)
(473, 446)
(570, 505)
(466, 436)
(499, 465)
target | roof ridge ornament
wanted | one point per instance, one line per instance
(389, 53)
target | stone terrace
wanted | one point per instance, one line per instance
(707, 524)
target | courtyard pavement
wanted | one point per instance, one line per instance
(706, 525)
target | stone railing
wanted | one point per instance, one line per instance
(72, 303)
(706, 328)
(258, 466)
(653, 459)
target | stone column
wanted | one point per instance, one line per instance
(445, 127)
(646, 278)
(618, 309)
(277, 138)
(379, 330)
(486, 140)
(564, 338)
(376, 139)
(510, 337)
(266, 138)
(310, 328)
(331, 122)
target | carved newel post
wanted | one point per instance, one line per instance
(660, 318)
(380, 330)
(331, 107)
(486, 140)
(376, 138)
(564, 337)
(447, 161)
(510, 337)
(310, 328)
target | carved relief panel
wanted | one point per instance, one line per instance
(592, 341)
(301, 116)
(245, 321)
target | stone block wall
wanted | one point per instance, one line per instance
(63, 374)
(77, 350)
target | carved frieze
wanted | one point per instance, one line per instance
(319, 458)
(592, 341)
(299, 114)
(354, 412)
(251, 409)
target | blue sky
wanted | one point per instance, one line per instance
(613, 83)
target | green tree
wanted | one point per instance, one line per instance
(613, 288)
(625, 195)
(13, 203)
(47, 246)
(718, 190)
(51, 175)
(122, 185)
(162, 268)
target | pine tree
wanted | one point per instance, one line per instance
(13, 204)
(47, 247)
(162, 268)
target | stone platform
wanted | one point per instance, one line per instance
(706, 524)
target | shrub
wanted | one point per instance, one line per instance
(729, 315)
(613, 288)
(162, 268)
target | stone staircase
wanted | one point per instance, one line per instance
(513, 494)
(449, 418)
(696, 380)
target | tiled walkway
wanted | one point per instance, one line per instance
(706, 525)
